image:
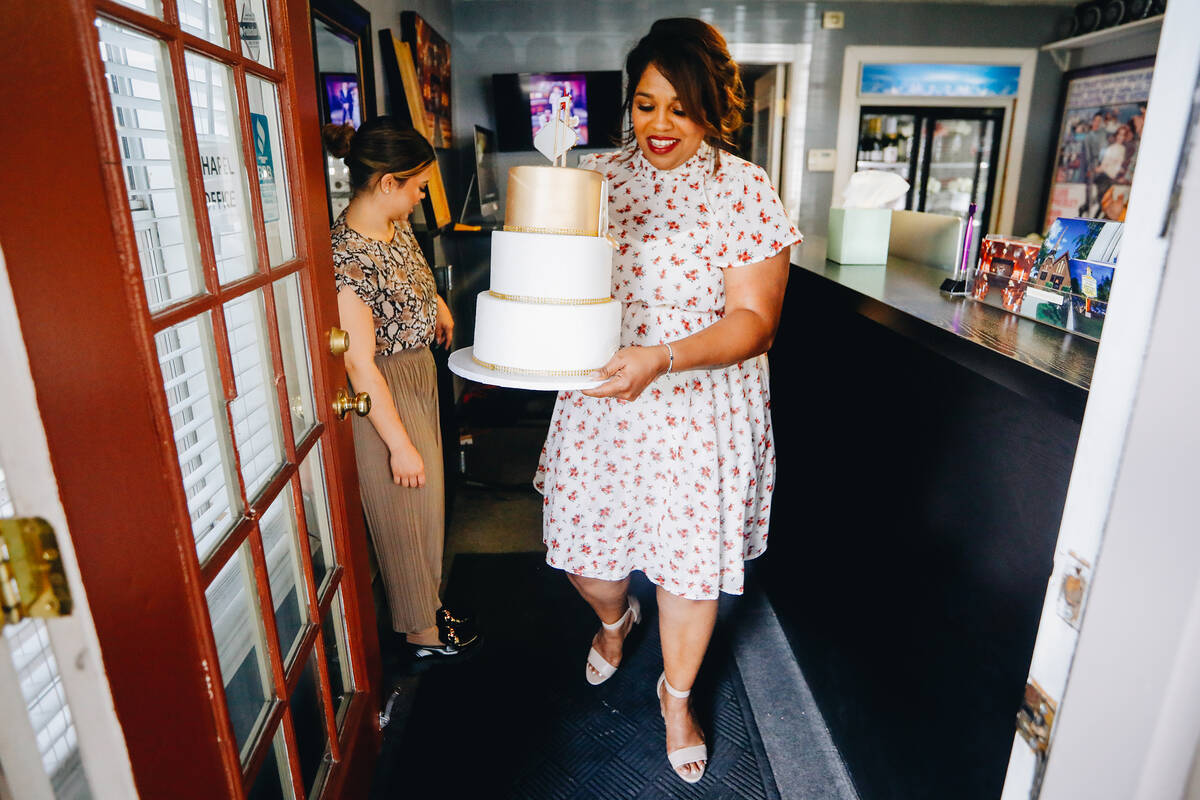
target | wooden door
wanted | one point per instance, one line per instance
(165, 229)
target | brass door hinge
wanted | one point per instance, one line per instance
(32, 581)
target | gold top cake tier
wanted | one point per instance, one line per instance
(554, 200)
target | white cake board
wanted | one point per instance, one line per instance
(463, 364)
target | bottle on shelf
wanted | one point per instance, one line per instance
(864, 142)
(891, 146)
(876, 139)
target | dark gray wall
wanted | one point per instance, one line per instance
(535, 35)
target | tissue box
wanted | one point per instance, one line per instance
(859, 235)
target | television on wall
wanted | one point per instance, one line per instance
(523, 102)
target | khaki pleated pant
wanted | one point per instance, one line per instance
(406, 525)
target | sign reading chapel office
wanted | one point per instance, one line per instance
(215, 167)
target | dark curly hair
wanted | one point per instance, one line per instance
(693, 57)
(380, 146)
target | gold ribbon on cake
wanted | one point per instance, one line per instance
(549, 301)
(554, 231)
(560, 200)
(553, 373)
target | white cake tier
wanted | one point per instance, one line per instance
(543, 339)
(550, 266)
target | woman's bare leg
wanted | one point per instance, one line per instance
(685, 627)
(608, 599)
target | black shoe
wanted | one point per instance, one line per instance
(446, 616)
(462, 624)
(456, 645)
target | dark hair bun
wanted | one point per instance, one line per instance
(338, 138)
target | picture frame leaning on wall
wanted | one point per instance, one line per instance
(406, 106)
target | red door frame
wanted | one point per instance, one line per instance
(64, 228)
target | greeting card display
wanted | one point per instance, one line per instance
(1065, 282)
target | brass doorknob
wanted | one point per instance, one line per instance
(343, 404)
(339, 341)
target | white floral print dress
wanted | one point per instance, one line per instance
(678, 482)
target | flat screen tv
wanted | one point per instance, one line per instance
(523, 102)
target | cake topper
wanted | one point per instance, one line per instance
(560, 134)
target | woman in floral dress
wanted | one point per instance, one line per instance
(668, 466)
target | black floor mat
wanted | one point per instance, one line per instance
(520, 721)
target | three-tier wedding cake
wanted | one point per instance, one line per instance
(549, 307)
(548, 319)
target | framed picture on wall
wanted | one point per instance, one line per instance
(1102, 112)
(406, 106)
(431, 56)
(341, 98)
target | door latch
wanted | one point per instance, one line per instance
(1036, 718)
(32, 580)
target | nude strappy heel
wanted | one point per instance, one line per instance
(597, 662)
(695, 754)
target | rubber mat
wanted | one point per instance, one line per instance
(518, 720)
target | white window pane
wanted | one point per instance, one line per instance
(153, 7)
(46, 704)
(237, 631)
(214, 107)
(316, 515)
(272, 169)
(274, 780)
(254, 27)
(297, 366)
(337, 657)
(279, 535)
(139, 84)
(196, 404)
(255, 412)
(204, 18)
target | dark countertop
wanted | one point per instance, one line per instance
(1035, 360)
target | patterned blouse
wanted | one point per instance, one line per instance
(393, 279)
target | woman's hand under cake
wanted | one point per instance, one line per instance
(630, 371)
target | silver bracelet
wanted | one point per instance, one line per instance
(670, 358)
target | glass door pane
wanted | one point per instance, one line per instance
(196, 403)
(138, 77)
(255, 411)
(234, 614)
(214, 108)
(955, 160)
(961, 154)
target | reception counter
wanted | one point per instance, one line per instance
(1043, 363)
(924, 446)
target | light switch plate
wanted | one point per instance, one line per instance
(833, 20)
(822, 160)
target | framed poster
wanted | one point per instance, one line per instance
(406, 106)
(1102, 113)
(341, 99)
(431, 56)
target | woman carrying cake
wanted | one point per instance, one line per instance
(668, 466)
(388, 303)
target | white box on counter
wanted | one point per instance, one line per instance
(859, 235)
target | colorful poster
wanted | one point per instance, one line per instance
(431, 56)
(1104, 110)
